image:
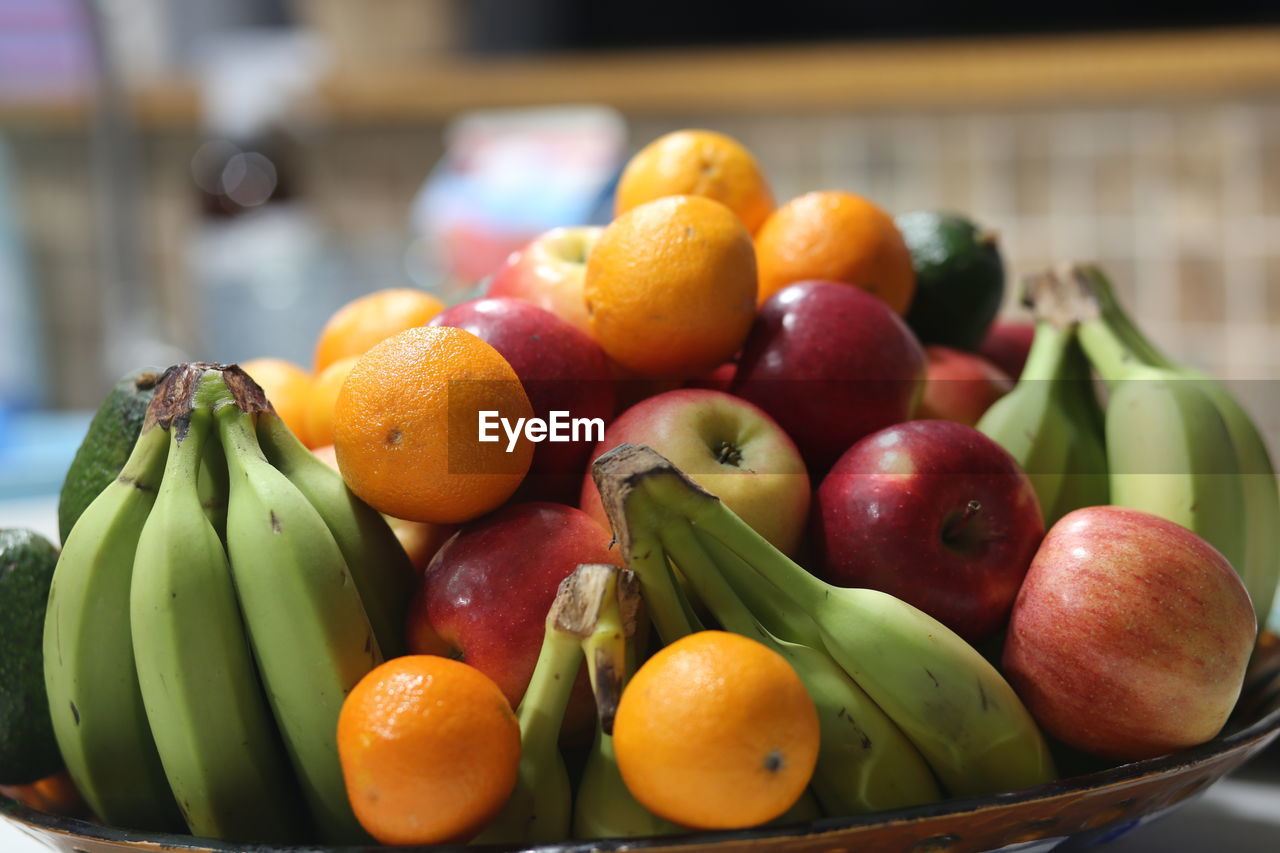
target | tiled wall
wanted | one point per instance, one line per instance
(1179, 201)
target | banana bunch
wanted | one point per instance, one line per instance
(539, 810)
(1178, 443)
(1052, 423)
(901, 698)
(197, 652)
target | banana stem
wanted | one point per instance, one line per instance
(239, 440)
(765, 601)
(541, 711)
(606, 626)
(1115, 361)
(1118, 319)
(1048, 351)
(670, 612)
(682, 544)
(709, 514)
(186, 450)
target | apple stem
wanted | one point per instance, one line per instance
(956, 526)
(728, 454)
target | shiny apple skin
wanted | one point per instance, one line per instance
(888, 515)
(1130, 636)
(830, 363)
(485, 595)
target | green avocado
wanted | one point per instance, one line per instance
(106, 446)
(28, 751)
(959, 278)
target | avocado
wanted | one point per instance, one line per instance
(106, 446)
(959, 278)
(28, 751)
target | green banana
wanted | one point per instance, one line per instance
(956, 709)
(604, 807)
(1051, 425)
(637, 539)
(1169, 449)
(308, 629)
(539, 809)
(865, 763)
(378, 564)
(212, 726)
(1259, 564)
(98, 715)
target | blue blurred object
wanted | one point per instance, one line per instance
(36, 449)
(21, 356)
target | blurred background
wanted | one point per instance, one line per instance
(183, 179)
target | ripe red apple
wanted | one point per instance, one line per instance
(830, 363)
(548, 272)
(935, 513)
(561, 369)
(960, 386)
(1130, 636)
(485, 596)
(726, 445)
(1007, 344)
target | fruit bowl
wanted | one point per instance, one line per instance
(1100, 805)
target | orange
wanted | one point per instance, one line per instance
(671, 287)
(318, 419)
(287, 386)
(429, 748)
(360, 324)
(836, 236)
(55, 794)
(697, 162)
(716, 731)
(406, 427)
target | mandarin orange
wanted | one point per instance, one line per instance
(406, 426)
(671, 287)
(716, 731)
(360, 324)
(697, 162)
(835, 236)
(429, 748)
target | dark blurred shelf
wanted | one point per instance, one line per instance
(952, 73)
(947, 74)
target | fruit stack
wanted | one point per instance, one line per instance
(722, 515)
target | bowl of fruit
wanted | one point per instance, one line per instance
(707, 529)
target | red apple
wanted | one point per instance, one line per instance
(935, 513)
(726, 445)
(1130, 636)
(960, 386)
(485, 596)
(830, 363)
(548, 272)
(1007, 344)
(562, 370)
